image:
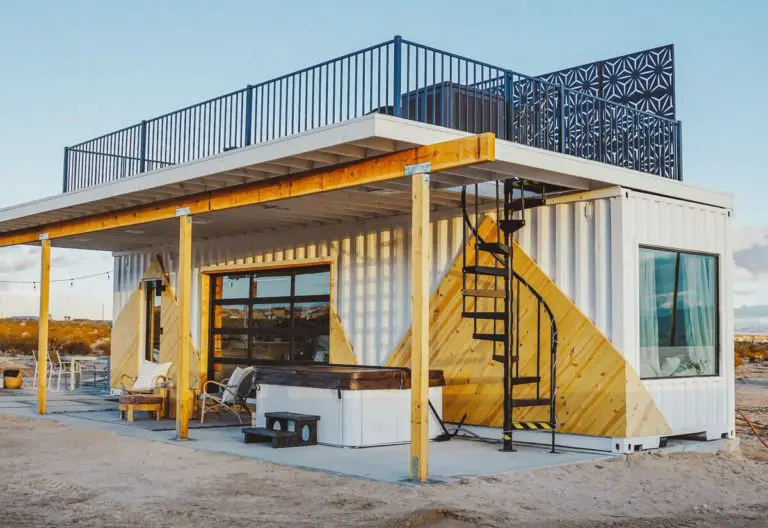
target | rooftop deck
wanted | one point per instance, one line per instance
(619, 111)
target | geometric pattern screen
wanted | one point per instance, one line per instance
(644, 80)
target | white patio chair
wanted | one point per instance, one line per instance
(229, 394)
(37, 366)
(57, 368)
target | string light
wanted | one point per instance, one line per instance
(71, 280)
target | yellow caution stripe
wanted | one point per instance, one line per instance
(520, 426)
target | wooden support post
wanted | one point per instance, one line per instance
(183, 289)
(42, 334)
(420, 264)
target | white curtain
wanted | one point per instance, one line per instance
(649, 320)
(697, 289)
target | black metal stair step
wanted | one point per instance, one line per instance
(494, 247)
(495, 316)
(511, 225)
(525, 380)
(500, 358)
(530, 402)
(486, 270)
(530, 203)
(533, 426)
(490, 294)
(499, 338)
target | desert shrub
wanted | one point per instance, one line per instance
(750, 353)
(69, 337)
(103, 347)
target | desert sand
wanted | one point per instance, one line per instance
(55, 475)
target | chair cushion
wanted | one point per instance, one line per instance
(138, 399)
(148, 374)
(234, 382)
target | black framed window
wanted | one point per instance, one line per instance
(270, 316)
(679, 317)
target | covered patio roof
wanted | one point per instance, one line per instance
(317, 150)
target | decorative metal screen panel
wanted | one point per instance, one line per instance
(644, 80)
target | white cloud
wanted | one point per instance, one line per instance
(750, 253)
(19, 258)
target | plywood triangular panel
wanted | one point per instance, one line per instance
(593, 378)
(341, 352)
(126, 338)
(124, 356)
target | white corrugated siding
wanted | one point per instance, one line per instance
(373, 277)
(589, 248)
(572, 244)
(688, 404)
(372, 272)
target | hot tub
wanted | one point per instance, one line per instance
(359, 406)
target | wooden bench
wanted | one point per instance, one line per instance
(284, 429)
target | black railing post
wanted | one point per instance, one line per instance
(679, 160)
(561, 120)
(397, 75)
(248, 113)
(65, 183)
(509, 110)
(143, 147)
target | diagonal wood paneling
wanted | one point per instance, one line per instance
(126, 334)
(341, 352)
(598, 392)
(124, 357)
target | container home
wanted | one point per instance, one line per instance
(402, 235)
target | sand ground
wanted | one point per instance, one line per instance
(53, 475)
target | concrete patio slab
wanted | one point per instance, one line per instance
(449, 461)
(143, 420)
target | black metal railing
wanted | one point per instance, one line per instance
(399, 78)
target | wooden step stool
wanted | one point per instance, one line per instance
(284, 429)
(140, 402)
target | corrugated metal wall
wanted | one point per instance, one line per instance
(572, 244)
(589, 248)
(372, 274)
(373, 277)
(688, 404)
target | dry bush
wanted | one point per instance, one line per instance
(738, 357)
(750, 353)
(78, 337)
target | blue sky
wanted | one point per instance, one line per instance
(73, 70)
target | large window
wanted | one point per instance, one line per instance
(678, 314)
(270, 316)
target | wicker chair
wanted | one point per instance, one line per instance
(229, 394)
(145, 391)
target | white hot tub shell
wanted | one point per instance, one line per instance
(348, 418)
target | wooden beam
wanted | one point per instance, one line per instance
(420, 266)
(452, 154)
(42, 333)
(183, 292)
